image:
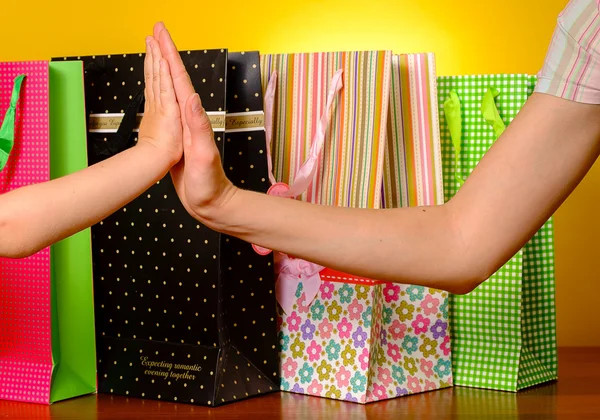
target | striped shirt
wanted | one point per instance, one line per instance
(572, 66)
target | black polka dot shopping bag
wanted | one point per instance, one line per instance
(183, 313)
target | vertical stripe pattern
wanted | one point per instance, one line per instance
(350, 173)
(413, 161)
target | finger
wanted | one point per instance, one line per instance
(181, 80)
(148, 75)
(158, 27)
(167, 91)
(198, 123)
(177, 176)
(156, 57)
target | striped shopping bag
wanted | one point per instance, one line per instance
(413, 161)
(349, 171)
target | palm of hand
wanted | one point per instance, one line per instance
(163, 127)
(199, 177)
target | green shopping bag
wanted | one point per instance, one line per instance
(504, 332)
(73, 339)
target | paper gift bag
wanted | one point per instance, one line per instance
(184, 313)
(245, 160)
(413, 177)
(413, 159)
(364, 341)
(349, 172)
(46, 308)
(343, 336)
(503, 333)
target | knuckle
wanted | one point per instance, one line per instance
(205, 124)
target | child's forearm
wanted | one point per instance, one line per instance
(34, 217)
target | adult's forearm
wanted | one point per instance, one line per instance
(419, 245)
(527, 174)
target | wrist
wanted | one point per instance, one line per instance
(220, 214)
(163, 156)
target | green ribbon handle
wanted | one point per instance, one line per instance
(490, 111)
(7, 131)
(454, 120)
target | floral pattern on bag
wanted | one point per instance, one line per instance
(366, 343)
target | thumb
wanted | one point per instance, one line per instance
(197, 121)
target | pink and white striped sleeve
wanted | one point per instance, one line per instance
(572, 66)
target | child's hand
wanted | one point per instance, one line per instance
(161, 125)
(199, 178)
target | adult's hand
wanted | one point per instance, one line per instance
(199, 179)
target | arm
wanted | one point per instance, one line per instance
(521, 181)
(34, 217)
(528, 173)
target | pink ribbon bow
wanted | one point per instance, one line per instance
(291, 272)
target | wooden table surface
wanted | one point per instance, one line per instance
(575, 396)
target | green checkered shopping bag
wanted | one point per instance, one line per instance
(504, 332)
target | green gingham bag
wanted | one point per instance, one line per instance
(504, 332)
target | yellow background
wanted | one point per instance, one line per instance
(468, 36)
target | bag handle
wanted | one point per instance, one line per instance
(306, 173)
(269, 105)
(489, 111)
(291, 272)
(7, 131)
(121, 139)
(454, 120)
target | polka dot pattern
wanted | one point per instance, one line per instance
(168, 291)
(244, 91)
(248, 280)
(25, 336)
